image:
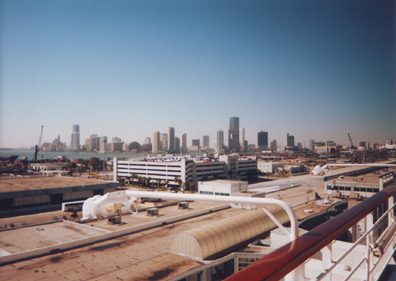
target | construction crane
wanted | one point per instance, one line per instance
(350, 139)
(37, 148)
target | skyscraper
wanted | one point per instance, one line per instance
(75, 138)
(103, 144)
(177, 144)
(242, 138)
(274, 145)
(156, 142)
(171, 139)
(311, 144)
(184, 143)
(262, 140)
(206, 141)
(233, 134)
(289, 140)
(220, 141)
(163, 141)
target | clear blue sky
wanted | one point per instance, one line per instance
(314, 69)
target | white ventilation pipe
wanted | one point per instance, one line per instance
(224, 199)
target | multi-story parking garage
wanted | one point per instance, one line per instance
(186, 169)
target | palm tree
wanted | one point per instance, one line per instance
(166, 182)
(134, 176)
(159, 182)
(148, 182)
(140, 180)
(177, 180)
(190, 185)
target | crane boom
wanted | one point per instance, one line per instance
(37, 148)
(350, 139)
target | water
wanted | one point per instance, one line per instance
(71, 155)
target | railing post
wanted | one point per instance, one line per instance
(368, 277)
(327, 259)
(391, 202)
(298, 274)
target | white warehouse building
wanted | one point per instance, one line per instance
(222, 187)
(269, 167)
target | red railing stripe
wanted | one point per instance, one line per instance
(285, 259)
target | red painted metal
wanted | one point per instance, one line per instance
(285, 259)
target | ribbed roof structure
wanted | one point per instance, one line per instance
(211, 239)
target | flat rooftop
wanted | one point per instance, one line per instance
(370, 178)
(21, 239)
(144, 255)
(37, 183)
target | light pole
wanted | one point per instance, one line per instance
(104, 162)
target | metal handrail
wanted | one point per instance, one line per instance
(357, 242)
(282, 261)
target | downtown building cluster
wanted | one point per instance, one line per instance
(168, 142)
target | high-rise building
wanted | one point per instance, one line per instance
(289, 140)
(116, 139)
(242, 138)
(171, 139)
(262, 140)
(156, 142)
(103, 144)
(205, 141)
(220, 141)
(362, 145)
(163, 141)
(93, 143)
(195, 142)
(177, 145)
(147, 141)
(75, 138)
(233, 134)
(274, 145)
(234, 123)
(311, 145)
(184, 143)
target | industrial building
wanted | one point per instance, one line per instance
(364, 185)
(33, 195)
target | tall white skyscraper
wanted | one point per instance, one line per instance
(171, 139)
(220, 141)
(184, 143)
(75, 138)
(103, 144)
(156, 142)
(241, 136)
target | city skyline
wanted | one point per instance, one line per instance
(316, 70)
